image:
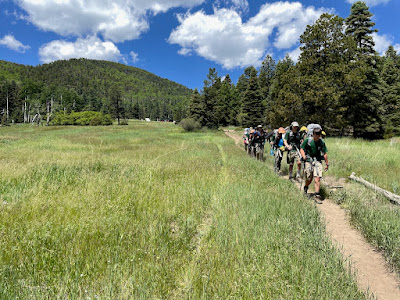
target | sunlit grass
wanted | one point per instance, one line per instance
(379, 163)
(147, 211)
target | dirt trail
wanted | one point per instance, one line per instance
(372, 272)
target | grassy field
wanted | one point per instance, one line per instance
(146, 211)
(379, 163)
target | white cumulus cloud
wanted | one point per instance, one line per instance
(223, 37)
(370, 2)
(382, 43)
(295, 54)
(117, 20)
(10, 42)
(91, 47)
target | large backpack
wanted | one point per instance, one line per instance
(311, 128)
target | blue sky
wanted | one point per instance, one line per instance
(175, 39)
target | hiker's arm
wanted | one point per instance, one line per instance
(326, 162)
(285, 139)
(303, 154)
(286, 144)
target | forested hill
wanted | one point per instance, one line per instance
(82, 84)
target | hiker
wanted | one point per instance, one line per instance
(246, 135)
(280, 149)
(292, 141)
(303, 133)
(311, 127)
(250, 149)
(313, 150)
(259, 140)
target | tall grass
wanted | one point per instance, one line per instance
(375, 161)
(379, 163)
(146, 211)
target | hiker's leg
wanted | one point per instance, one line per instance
(317, 184)
(309, 173)
(317, 175)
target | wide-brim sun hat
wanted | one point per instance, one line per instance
(281, 130)
(294, 124)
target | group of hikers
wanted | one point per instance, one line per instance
(305, 148)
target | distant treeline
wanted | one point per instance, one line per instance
(88, 85)
(339, 82)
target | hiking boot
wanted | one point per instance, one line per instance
(317, 198)
(305, 189)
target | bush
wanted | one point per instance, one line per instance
(190, 124)
(123, 122)
(84, 118)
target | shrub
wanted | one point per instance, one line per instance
(84, 118)
(190, 124)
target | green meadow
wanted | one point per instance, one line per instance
(374, 215)
(379, 163)
(146, 211)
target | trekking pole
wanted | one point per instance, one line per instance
(302, 175)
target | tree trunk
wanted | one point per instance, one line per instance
(392, 197)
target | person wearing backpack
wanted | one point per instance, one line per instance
(246, 136)
(303, 133)
(313, 150)
(251, 146)
(259, 140)
(280, 149)
(292, 141)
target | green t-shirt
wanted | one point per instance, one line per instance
(314, 149)
(293, 139)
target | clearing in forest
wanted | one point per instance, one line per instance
(147, 211)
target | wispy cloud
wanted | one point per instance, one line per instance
(10, 42)
(134, 57)
(370, 2)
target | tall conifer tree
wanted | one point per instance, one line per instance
(252, 110)
(365, 111)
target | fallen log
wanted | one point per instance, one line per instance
(392, 197)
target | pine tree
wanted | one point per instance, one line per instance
(267, 72)
(359, 25)
(252, 109)
(324, 67)
(365, 110)
(197, 108)
(115, 96)
(211, 89)
(224, 101)
(275, 110)
(391, 92)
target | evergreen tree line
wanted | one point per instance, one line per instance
(339, 82)
(88, 85)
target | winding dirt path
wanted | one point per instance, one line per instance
(372, 273)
